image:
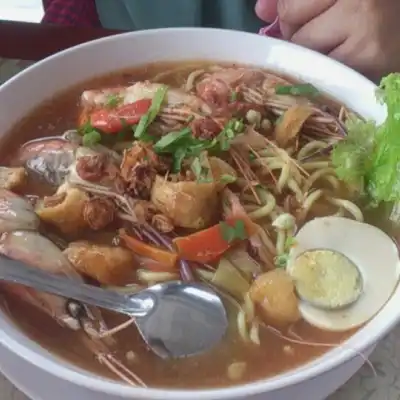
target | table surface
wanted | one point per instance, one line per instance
(364, 386)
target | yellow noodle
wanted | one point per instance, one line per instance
(254, 334)
(248, 198)
(334, 182)
(294, 187)
(266, 240)
(248, 307)
(283, 177)
(310, 200)
(173, 71)
(192, 78)
(273, 163)
(242, 326)
(266, 152)
(339, 213)
(265, 210)
(348, 206)
(151, 276)
(249, 208)
(316, 165)
(315, 176)
(310, 148)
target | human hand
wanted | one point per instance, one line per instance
(364, 34)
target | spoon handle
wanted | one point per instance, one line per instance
(14, 271)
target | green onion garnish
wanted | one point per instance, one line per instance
(226, 178)
(301, 89)
(151, 114)
(172, 138)
(232, 233)
(91, 138)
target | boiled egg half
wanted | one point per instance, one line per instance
(344, 271)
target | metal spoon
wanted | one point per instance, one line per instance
(175, 319)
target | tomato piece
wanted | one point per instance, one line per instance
(207, 245)
(114, 120)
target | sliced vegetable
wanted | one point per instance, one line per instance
(204, 246)
(230, 279)
(209, 244)
(152, 112)
(301, 89)
(164, 257)
(114, 120)
(240, 258)
(291, 123)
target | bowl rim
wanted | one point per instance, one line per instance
(109, 387)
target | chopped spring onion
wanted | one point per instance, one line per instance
(151, 114)
(231, 233)
(202, 172)
(301, 89)
(166, 142)
(233, 96)
(281, 260)
(178, 158)
(91, 138)
(226, 178)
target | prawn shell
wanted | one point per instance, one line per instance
(38, 251)
(16, 213)
(49, 158)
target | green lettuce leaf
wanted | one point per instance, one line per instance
(369, 157)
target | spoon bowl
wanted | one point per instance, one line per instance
(175, 319)
(186, 319)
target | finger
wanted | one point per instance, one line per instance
(299, 12)
(323, 33)
(365, 60)
(267, 10)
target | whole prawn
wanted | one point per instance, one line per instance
(20, 239)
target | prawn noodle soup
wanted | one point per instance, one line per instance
(186, 172)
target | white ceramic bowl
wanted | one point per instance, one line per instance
(45, 79)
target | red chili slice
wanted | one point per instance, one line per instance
(114, 120)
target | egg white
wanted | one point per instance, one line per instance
(370, 249)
